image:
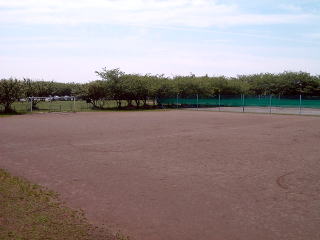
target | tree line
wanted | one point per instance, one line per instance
(136, 90)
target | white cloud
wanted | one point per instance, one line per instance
(312, 36)
(75, 55)
(290, 7)
(185, 13)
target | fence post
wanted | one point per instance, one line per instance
(74, 104)
(300, 104)
(177, 100)
(197, 102)
(219, 102)
(31, 100)
(270, 104)
(242, 102)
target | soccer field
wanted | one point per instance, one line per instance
(176, 174)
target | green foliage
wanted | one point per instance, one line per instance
(97, 92)
(283, 84)
(38, 88)
(138, 90)
(10, 91)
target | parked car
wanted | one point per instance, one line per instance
(67, 98)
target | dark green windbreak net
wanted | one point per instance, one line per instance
(239, 101)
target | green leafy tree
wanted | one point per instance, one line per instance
(37, 89)
(10, 91)
(97, 93)
(114, 77)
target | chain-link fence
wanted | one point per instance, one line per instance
(235, 103)
(246, 103)
(53, 106)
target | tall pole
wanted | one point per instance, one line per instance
(197, 102)
(31, 100)
(242, 102)
(177, 100)
(300, 104)
(219, 101)
(270, 104)
(74, 104)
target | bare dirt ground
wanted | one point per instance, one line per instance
(176, 174)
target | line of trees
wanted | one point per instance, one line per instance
(137, 90)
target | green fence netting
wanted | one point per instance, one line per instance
(240, 101)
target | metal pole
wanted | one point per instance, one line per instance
(219, 102)
(31, 100)
(177, 100)
(270, 104)
(279, 103)
(242, 102)
(74, 104)
(197, 102)
(300, 104)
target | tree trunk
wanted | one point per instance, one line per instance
(94, 103)
(129, 103)
(101, 104)
(34, 104)
(144, 102)
(119, 103)
(7, 108)
(137, 103)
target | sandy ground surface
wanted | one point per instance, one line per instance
(176, 174)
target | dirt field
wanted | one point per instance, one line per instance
(176, 175)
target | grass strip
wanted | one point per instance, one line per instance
(29, 211)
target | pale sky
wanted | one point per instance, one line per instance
(67, 40)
